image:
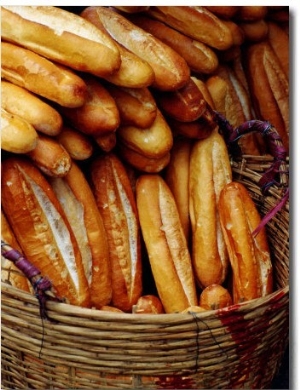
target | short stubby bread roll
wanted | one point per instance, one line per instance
(170, 69)
(166, 244)
(42, 229)
(50, 156)
(210, 171)
(137, 106)
(98, 115)
(187, 104)
(79, 146)
(153, 142)
(17, 135)
(77, 199)
(141, 162)
(61, 36)
(115, 200)
(41, 115)
(41, 76)
(249, 255)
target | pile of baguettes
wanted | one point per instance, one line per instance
(114, 173)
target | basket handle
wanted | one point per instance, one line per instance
(272, 140)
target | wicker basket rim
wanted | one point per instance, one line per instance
(71, 310)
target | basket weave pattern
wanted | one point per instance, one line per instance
(236, 347)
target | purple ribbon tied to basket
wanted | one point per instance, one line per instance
(42, 285)
(274, 147)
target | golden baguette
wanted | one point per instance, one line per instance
(249, 256)
(38, 113)
(166, 244)
(17, 135)
(196, 22)
(52, 81)
(116, 202)
(61, 36)
(170, 69)
(78, 202)
(209, 171)
(42, 229)
(50, 156)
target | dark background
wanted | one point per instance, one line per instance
(281, 380)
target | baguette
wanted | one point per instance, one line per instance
(99, 113)
(78, 145)
(177, 178)
(42, 229)
(195, 22)
(232, 101)
(116, 202)
(200, 57)
(17, 135)
(279, 41)
(153, 142)
(107, 141)
(79, 204)
(187, 104)
(269, 88)
(141, 162)
(50, 156)
(61, 36)
(255, 31)
(134, 71)
(166, 244)
(137, 106)
(209, 171)
(170, 69)
(35, 73)
(41, 115)
(249, 256)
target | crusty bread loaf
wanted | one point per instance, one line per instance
(166, 244)
(31, 71)
(79, 146)
(136, 106)
(41, 115)
(116, 202)
(50, 156)
(249, 256)
(269, 87)
(99, 113)
(196, 22)
(233, 102)
(42, 229)
(177, 178)
(153, 142)
(17, 135)
(134, 71)
(186, 104)
(170, 69)
(209, 171)
(61, 36)
(200, 57)
(76, 197)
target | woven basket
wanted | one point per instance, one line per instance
(232, 348)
